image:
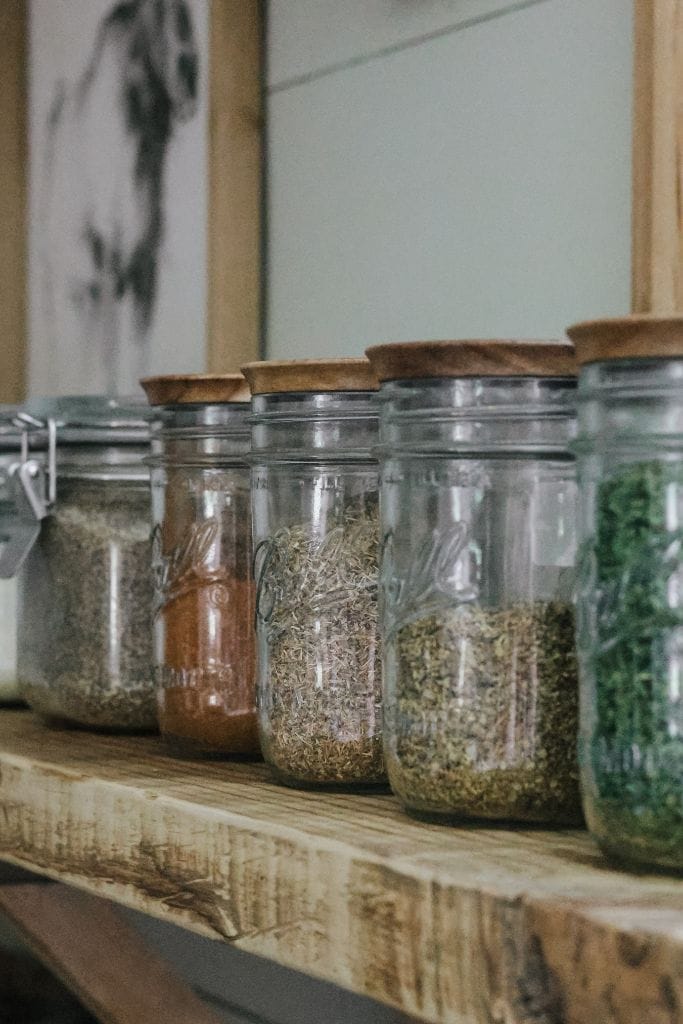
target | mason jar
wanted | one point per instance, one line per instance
(202, 552)
(316, 531)
(10, 443)
(85, 586)
(630, 587)
(478, 499)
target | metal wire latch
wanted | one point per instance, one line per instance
(28, 488)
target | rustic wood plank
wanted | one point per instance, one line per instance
(13, 171)
(100, 957)
(657, 217)
(470, 926)
(235, 174)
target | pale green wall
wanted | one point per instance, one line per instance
(434, 177)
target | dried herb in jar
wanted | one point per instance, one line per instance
(321, 695)
(633, 649)
(85, 628)
(484, 717)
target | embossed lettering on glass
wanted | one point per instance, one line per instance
(478, 501)
(316, 526)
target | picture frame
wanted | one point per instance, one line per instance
(233, 190)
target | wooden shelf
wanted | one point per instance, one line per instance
(470, 926)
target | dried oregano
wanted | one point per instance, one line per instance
(320, 659)
(631, 647)
(483, 719)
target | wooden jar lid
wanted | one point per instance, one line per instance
(627, 337)
(415, 360)
(192, 388)
(277, 376)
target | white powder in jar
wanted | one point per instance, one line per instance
(9, 691)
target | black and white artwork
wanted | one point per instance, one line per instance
(118, 185)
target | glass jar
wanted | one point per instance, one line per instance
(85, 588)
(10, 440)
(204, 600)
(630, 594)
(478, 524)
(316, 530)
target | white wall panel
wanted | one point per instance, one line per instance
(476, 184)
(307, 36)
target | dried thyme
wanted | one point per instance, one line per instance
(631, 643)
(483, 719)
(320, 687)
(85, 628)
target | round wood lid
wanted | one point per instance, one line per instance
(627, 337)
(413, 360)
(192, 388)
(274, 377)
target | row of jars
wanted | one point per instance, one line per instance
(404, 532)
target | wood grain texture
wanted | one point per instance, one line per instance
(466, 926)
(657, 208)
(13, 171)
(188, 389)
(235, 178)
(100, 957)
(277, 376)
(638, 336)
(413, 360)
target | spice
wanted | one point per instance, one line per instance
(85, 643)
(632, 650)
(484, 717)
(205, 615)
(321, 674)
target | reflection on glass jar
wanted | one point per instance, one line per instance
(478, 521)
(630, 626)
(316, 524)
(202, 558)
(85, 590)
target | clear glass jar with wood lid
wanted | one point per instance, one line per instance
(316, 530)
(85, 588)
(204, 589)
(630, 586)
(478, 498)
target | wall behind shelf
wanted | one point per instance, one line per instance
(441, 167)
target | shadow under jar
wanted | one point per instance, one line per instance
(316, 529)
(478, 527)
(204, 588)
(630, 593)
(85, 590)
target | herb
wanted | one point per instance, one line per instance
(631, 646)
(85, 610)
(320, 675)
(483, 719)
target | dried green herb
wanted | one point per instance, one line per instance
(483, 719)
(85, 622)
(320, 660)
(632, 656)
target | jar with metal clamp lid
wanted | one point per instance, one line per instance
(10, 443)
(85, 581)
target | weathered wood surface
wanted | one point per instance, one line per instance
(471, 926)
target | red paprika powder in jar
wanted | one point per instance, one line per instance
(202, 558)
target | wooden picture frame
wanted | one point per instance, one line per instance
(657, 196)
(235, 129)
